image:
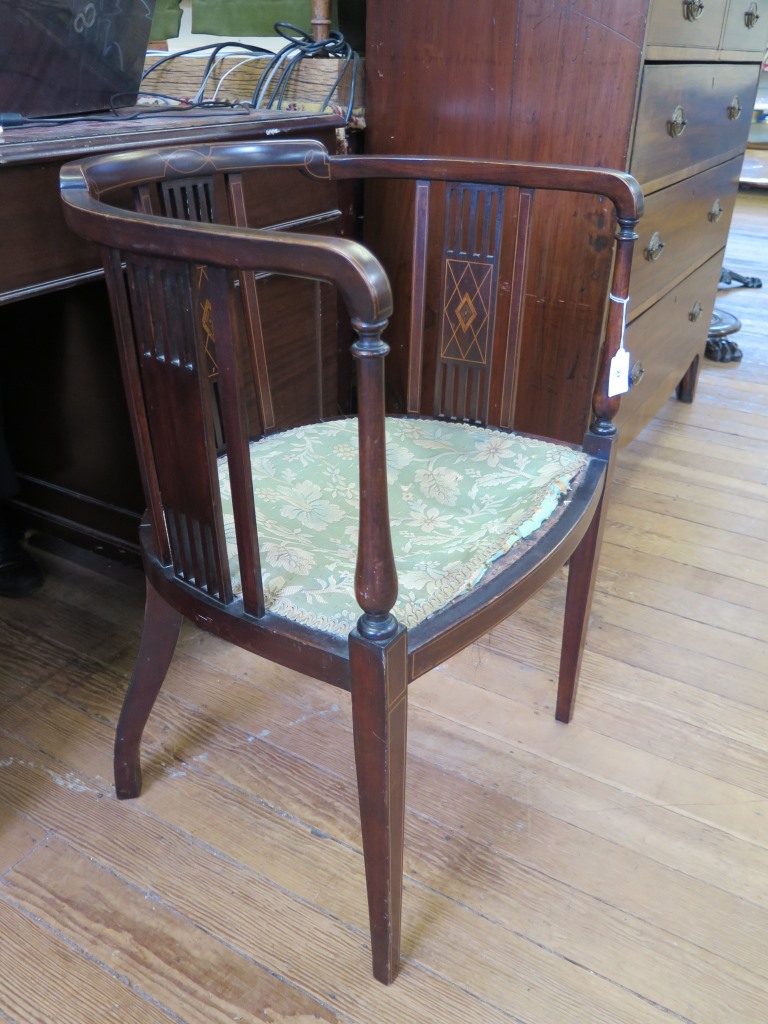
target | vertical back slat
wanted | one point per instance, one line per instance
(226, 318)
(125, 329)
(525, 202)
(192, 200)
(189, 199)
(418, 295)
(143, 198)
(166, 308)
(318, 353)
(470, 276)
(252, 313)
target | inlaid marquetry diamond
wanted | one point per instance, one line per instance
(466, 311)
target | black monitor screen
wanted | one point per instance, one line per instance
(61, 57)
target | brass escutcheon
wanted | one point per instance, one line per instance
(734, 110)
(676, 124)
(636, 374)
(696, 311)
(655, 247)
(716, 212)
(751, 16)
(693, 9)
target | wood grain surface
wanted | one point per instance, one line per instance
(611, 871)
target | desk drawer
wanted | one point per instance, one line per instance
(692, 24)
(665, 340)
(682, 226)
(746, 27)
(690, 116)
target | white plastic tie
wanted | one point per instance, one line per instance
(624, 303)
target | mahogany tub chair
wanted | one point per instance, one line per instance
(362, 550)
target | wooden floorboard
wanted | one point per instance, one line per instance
(612, 871)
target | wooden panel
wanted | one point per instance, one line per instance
(665, 341)
(447, 89)
(454, 84)
(269, 203)
(571, 242)
(684, 219)
(65, 414)
(35, 212)
(702, 95)
(307, 314)
(580, 66)
(746, 27)
(669, 25)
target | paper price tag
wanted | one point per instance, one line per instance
(618, 380)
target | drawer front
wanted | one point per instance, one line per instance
(690, 115)
(694, 24)
(664, 341)
(682, 226)
(746, 27)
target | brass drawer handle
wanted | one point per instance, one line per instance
(716, 212)
(636, 374)
(655, 247)
(734, 110)
(696, 310)
(751, 16)
(693, 9)
(676, 125)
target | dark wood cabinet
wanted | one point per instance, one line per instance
(62, 401)
(663, 89)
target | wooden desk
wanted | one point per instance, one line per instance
(61, 394)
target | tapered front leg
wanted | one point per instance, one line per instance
(160, 633)
(582, 570)
(582, 573)
(379, 715)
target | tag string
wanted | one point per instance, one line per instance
(624, 303)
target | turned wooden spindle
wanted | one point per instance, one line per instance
(321, 20)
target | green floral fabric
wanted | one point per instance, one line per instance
(460, 496)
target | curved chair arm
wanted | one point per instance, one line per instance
(105, 173)
(621, 188)
(348, 265)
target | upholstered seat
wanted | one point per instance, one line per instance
(459, 497)
(286, 512)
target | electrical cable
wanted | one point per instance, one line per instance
(189, 110)
(300, 46)
(214, 47)
(245, 60)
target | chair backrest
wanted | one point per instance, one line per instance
(188, 266)
(222, 191)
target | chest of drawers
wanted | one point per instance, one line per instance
(662, 88)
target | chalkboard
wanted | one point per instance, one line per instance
(60, 57)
